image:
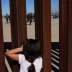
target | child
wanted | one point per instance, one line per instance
(29, 54)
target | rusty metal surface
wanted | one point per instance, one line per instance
(18, 25)
(70, 37)
(13, 20)
(2, 62)
(63, 35)
(18, 21)
(43, 30)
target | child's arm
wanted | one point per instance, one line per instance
(16, 50)
(12, 53)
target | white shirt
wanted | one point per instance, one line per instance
(25, 64)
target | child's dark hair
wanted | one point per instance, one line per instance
(32, 48)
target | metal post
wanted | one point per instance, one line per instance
(70, 37)
(18, 25)
(43, 30)
(18, 21)
(63, 35)
(2, 62)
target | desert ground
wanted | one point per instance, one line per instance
(31, 30)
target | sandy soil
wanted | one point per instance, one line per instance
(31, 30)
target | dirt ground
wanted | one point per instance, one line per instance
(31, 30)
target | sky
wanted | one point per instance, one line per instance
(5, 7)
(29, 6)
(54, 5)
